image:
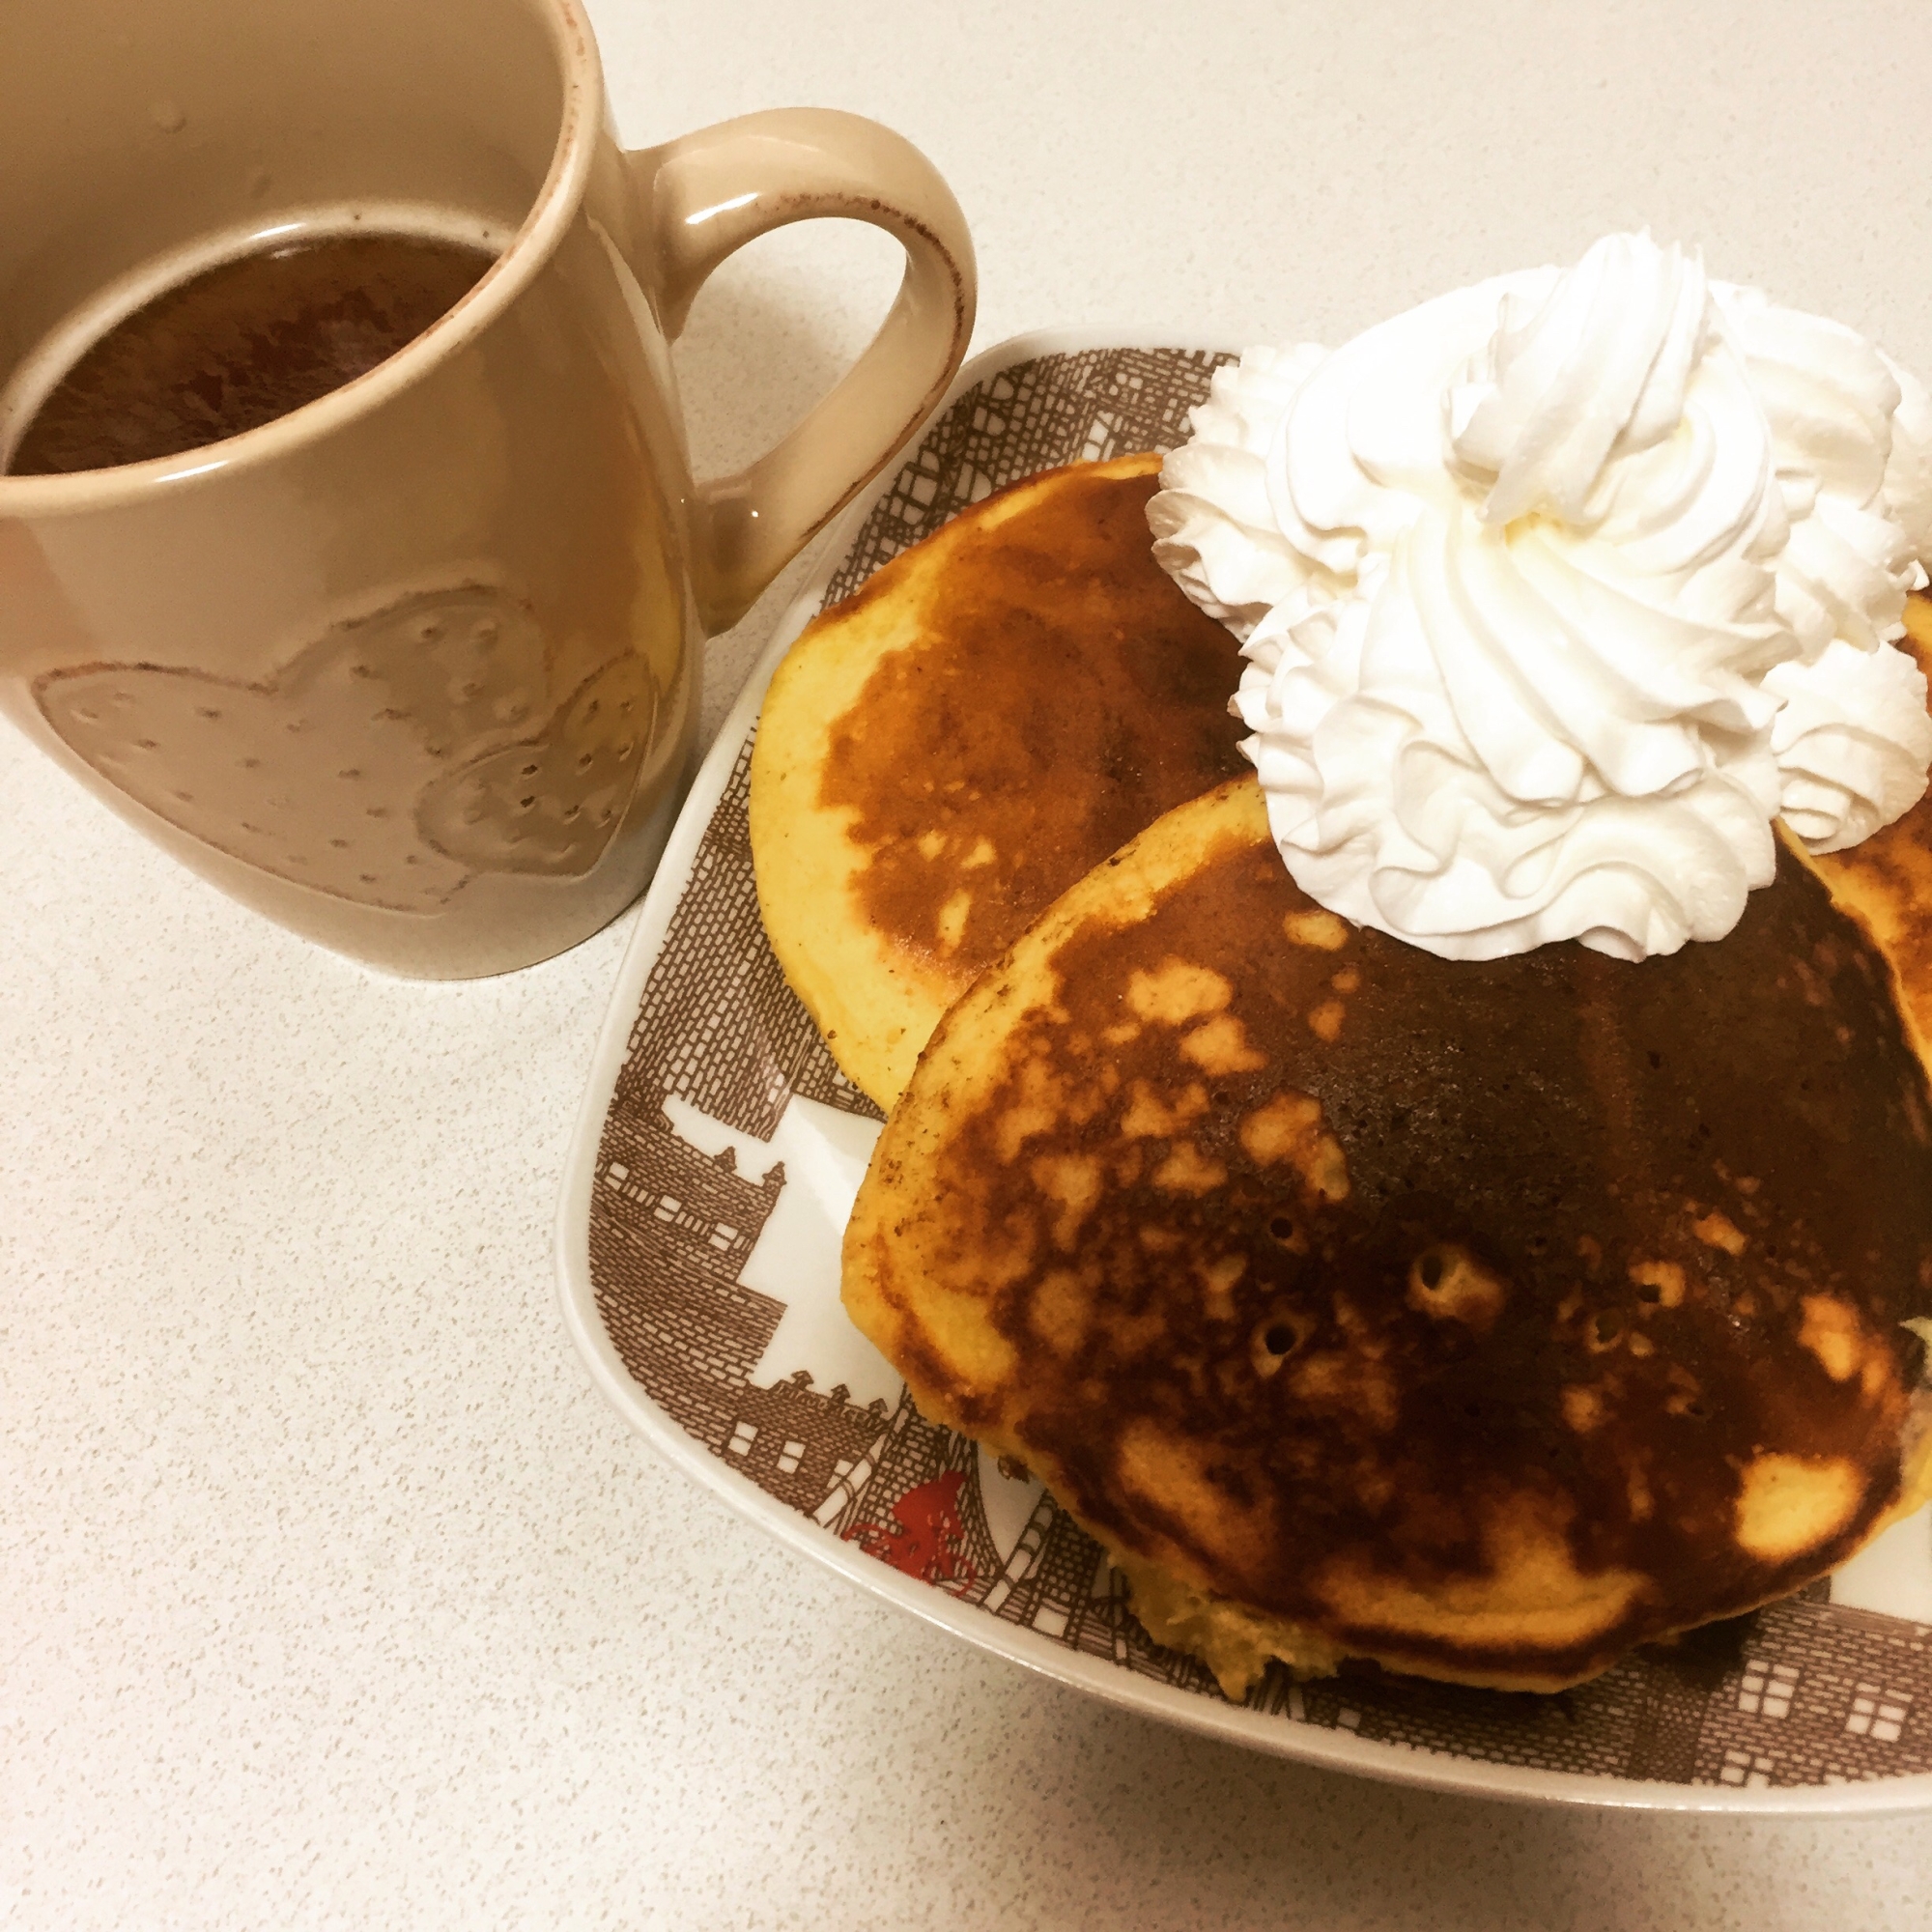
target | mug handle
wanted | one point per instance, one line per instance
(706, 195)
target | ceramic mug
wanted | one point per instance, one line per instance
(412, 669)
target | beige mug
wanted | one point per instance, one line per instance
(412, 669)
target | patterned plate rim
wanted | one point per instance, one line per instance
(1258, 1730)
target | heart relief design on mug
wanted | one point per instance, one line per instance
(389, 762)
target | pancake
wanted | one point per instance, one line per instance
(1483, 1319)
(945, 752)
(1886, 881)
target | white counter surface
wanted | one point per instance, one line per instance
(322, 1599)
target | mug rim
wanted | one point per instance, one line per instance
(522, 261)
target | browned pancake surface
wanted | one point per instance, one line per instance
(1324, 1269)
(1064, 695)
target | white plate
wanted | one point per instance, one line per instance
(713, 1167)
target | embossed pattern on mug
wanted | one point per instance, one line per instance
(389, 761)
(549, 807)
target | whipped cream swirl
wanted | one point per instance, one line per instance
(1555, 591)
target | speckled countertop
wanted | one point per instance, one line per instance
(324, 1593)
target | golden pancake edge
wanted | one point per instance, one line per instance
(943, 754)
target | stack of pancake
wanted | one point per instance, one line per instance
(1483, 1319)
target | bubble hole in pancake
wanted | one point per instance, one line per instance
(1483, 1319)
(945, 752)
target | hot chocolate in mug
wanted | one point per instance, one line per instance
(412, 669)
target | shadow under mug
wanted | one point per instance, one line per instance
(413, 669)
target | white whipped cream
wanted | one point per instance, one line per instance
(1555, 591)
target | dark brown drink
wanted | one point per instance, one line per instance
(243, 343)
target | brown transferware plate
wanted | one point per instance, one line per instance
(715, 1163)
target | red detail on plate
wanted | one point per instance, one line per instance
(926, 1535)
